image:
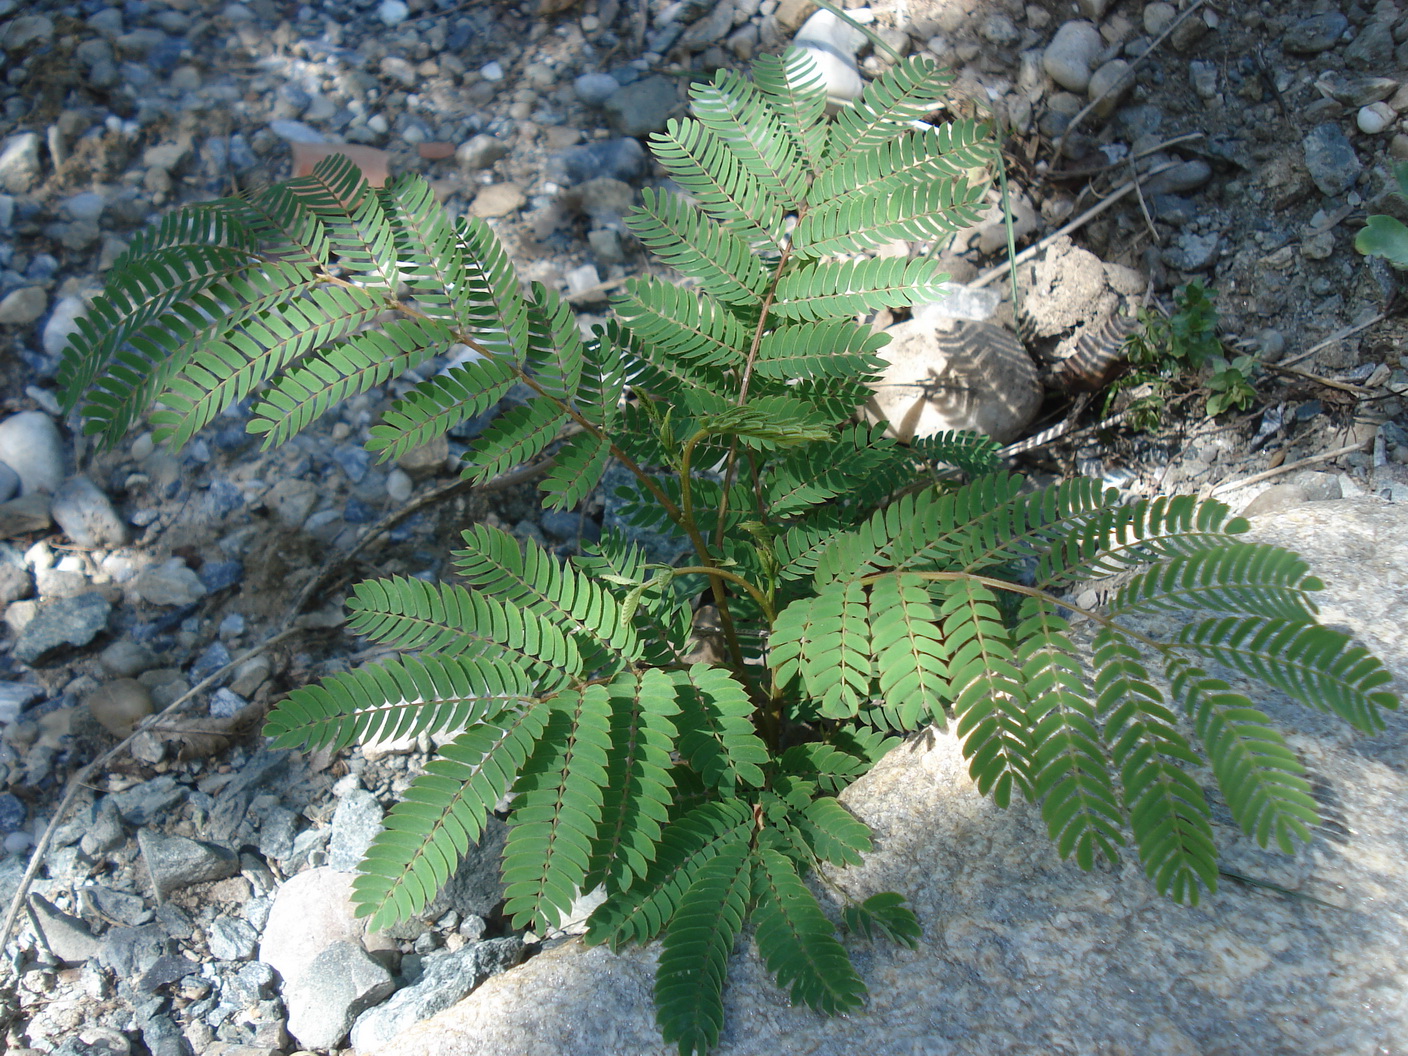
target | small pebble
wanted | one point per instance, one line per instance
(1374, 118)
(1071, 54)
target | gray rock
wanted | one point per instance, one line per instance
(445, 979)
(63, 322)
(170, 583)
(643, 107)
(61, 624)
(68, 937)
(1185, 176)
(1315, 34)
(833, 46)
(311, 912)
(1330, 159)
(999, 29)
(1116, 78)
(277, 830)
(355, 823)
(9, 483)
(142, 804)
(1372, 49)
(595, 88)
(131, 952)
(480, 152)
(31, 446)
(232, 939)
(125, 658)
(25, 30)
(104, 833)
(113, 907)
(1069, 57)
(340, 983)
(1192, 252)
(621, 159)
(13, 697)
(87, 207)
(81, 509)
(174, 862)
(24, 306)
(19, 162)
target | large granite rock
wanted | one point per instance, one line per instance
(1024, 953)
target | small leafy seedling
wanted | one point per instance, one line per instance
(1384, 236)
(861, 592)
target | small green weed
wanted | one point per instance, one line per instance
(1383, 236)
(1167, 351)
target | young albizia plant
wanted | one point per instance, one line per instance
(863, 590)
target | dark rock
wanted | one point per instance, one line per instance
(144, 803)
(475, 888)
(1192, 252)
(1372, 48)
(12, 813)
(221, 575)
(1318, 33)
(620, 159)
(174, 862)
(131, 952)
(643, 107)
(1330, 159)
(163, 1037)
(109, 906)
(62, 624)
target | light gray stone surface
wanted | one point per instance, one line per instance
(1022, 953)
(174, 862)
(312, 911)
(31, 446)
(341, 982)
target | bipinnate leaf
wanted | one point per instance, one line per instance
(689, 979)
(883, 915)
(794, 85)
(716, 729)
(440, 815)
(557, 810)
(639, 779)
(576, 470)
(796, 941)
(831, 832)
(1252, 579)
(397, 699)
(826, 640)
(1168, 813)
(641, 912)
(438, 404)
(1260, 777)
(909, 652)
(830, 767)
(888, 105)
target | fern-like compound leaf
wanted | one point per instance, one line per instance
(826, 290)
(1073, 781)
(1024, 525)
(557, 810)
(576, 470)
(641, 912)
(740, 115)
(689, 979)
(1167, 811)
(358, 230)
(797, 943)
(440, 815)
(1316, 665)
(439, 404)
(793, 84)
(988, 691)
(716, 730)
(973, 453)
(429, 251)
(888, 105)
(397, 699)
(707, 169)
(832, 833)
(639, 780)
(491, 299)
(302, 395)
(409, 613)
(1260, 777)
(532, 578)
(884, 915)
(228, 370)
(699, 247)
(909, 652)
(818, 472)
(684, 323)
(1249, 578)
(838, 348)
(917, 212)
(826, 640)
(555, 353)
(914, 158)
(830, 768)
(518, 435)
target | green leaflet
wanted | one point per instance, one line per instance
(909, 650)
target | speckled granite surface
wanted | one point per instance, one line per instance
(1023, 955)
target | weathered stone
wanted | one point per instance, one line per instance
(61, 624)
(1069, 57)
(170, 583)
(1331, 160)
(340, 983)
(69, 938)
(24, 306)
(1314, 34)
(174, 862)
(82, 510)
(312, 911)
(355, 824)
(120, 705)
(30, 445)
(642, 107)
